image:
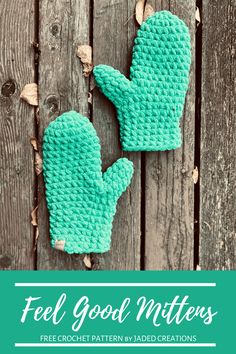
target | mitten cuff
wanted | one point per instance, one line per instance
(151, 138)
(79, 244)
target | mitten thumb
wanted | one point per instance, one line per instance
(118, 177)
(111, 82)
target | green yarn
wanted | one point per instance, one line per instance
(81, 199)
(150, 105)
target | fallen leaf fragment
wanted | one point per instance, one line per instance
(92, 84)
(59, 245)
(90, 98)
(34, 143)
(36, 238)
(197, 15)
(37, 115)
(84, 52)
(34, 221)
(148, 11)
(139, 11)
(87, 261)
(38, 163)
(30, 94)
(195, 175)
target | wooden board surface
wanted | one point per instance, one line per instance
(16, 128)
(169, 188)
(62, 27)
(154, 224)
(113, 31)
(218, 136)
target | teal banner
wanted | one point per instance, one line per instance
(74, 312)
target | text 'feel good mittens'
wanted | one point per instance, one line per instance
(80, 198)
(150, 104)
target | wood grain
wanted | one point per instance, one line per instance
(114, 28)
(153, 226)
(16, 129)
(169, 189)
(218, 136)
(63, 25)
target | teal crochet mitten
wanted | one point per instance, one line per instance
(81, 199)
(150, 104)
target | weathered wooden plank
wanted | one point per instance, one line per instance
(113, 31)
(63, 26)
(16, 129)
(218, 136)
(169, 192)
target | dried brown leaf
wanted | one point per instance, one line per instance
(197, 15)
(84, 52)
(92, 83)
(34, 221)
(59, 245)
(37, 115)
(34, 143)
(36, 237)
(30, 94)
(195, 175)
(139, 11)
(148, 11)
(38, 163)
(90, 98)
(87, 261)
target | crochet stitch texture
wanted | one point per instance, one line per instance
(150, 104)
(81, 199)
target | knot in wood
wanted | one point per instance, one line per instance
(5, 261)
(52, 103)
(55, 29)
(8, 88)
